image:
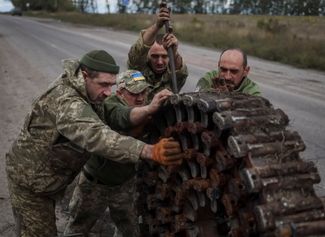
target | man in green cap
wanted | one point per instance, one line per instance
(233, 68)
(149, 55)
(65, 126)
(105, 183)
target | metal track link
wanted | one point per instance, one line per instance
(242, 175)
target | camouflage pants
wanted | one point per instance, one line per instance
(90, 200)
(34, 214)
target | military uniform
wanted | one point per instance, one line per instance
(247, 86)
(138, 60)
(105, 183)
(58, 135)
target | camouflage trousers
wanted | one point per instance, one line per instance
(34, 214)
(90, 200)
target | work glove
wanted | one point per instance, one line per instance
(168, 152)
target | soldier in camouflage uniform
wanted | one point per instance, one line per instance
(232, 67)
(149, 55)
(105, 183)
(63, 128)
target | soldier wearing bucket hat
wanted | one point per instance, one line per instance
(64, 127)
(105, 183)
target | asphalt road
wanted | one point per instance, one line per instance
(30, 55)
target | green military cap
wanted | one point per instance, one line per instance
(132, 80)
(101, 61)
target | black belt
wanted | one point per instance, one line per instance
(92, 178)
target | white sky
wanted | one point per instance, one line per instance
(5, 5)
(101, 5)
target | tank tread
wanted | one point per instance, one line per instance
(242, 176)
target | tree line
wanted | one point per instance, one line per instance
(252, 7)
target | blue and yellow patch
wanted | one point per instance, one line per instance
(137, 76)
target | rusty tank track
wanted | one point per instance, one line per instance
(242, 175)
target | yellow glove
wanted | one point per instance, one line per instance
(168, 152)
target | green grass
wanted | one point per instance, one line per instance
(297, 41)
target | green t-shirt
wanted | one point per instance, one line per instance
(247, 86)
(111, 173)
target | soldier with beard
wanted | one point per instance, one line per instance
(105, 183)
(65, 126)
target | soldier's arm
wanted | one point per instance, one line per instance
(137, 56)
(78, 122)
(139, 115)
(117, 115)
(170, 41)
(150, 34)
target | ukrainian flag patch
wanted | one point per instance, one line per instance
(137, 76)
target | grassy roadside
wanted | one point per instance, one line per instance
(297, 41)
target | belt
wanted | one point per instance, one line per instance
(91, 178)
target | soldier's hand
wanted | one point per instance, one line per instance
(162, 16)
(223, 85)
(158, 99)
(168, 152)
(170, 40)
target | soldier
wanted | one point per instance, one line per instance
(63, 128)
(232, 67)
(105, 183)
(149, 55)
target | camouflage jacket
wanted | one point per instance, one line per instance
(59, 134)
(247, 86)
(138, 60)
(109, 172)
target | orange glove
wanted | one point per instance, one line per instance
(167, 152)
